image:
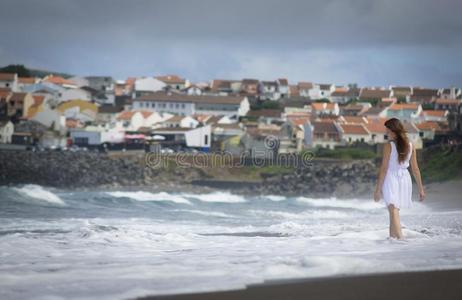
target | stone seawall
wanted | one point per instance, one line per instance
(342, 179)
(91, 169)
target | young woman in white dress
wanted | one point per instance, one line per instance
(394, 182)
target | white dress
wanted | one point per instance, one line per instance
(397, 185)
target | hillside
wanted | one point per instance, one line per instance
(23, 71)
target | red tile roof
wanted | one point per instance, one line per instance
(447, 101)
(59, 80)
(268, 113)
(168, 97)
(304, 85)
(7, 77)
(406, 106)
(127, 115)
(322, 106)
(376, 125)
(435, 113)
(38, 99)
(428, 125)
(358, 129)
(367, 93)
(26, 80)
(170, 79)
(354, 119)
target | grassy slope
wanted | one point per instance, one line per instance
(441, 165)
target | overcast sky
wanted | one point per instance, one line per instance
(369, 42)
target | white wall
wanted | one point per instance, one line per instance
(149, 84)
(196, 137)
(71, 94)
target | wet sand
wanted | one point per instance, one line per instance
(442, 195)
(410, 285)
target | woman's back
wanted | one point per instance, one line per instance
(394, 164)
(397, 185)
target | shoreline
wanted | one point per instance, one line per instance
(436, 284)
(450, 190)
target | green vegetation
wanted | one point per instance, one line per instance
(22, 71)
(442, 165)
(268, 104)
(19, 69)
(323, 100)
(372, 101)
(401, 100)
(344, 153)
(427, 106)
(351, 101)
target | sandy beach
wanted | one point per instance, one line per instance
(436, 284)
(411, 285)
(442, 195)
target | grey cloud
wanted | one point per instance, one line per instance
(339, 39)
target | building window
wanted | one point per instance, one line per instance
(206, 139)
(182, 105)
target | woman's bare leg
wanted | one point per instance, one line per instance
(395, 225)
(392, 224)
(398, 231)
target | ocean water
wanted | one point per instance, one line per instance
(60, 244)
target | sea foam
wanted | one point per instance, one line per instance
(147, 196)
(39, 193)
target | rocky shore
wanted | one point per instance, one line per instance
(70, 170)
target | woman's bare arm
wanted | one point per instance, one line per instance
(383, 167)
(415, 169)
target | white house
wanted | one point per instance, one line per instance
(80, 81)
(268, 90)
(283, 87)
(199, 137)
(186, 105)
(50, 118)
(434, 115)
(304, 88)
(193, 90)
(181, 121)
(320, 91)
(323, 108)
(6, 132)
(196, 137)
(133, 120)
(405, 111)
(148, 85)
(74, 93)
(10, 81)
(174, 81)
(26, 81)
(355, 133)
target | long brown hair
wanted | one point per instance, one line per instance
(402, 141)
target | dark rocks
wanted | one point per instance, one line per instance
(66, 169)
(342, 179)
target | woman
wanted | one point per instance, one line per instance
(394, 182)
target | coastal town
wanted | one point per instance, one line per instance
(168, 114)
